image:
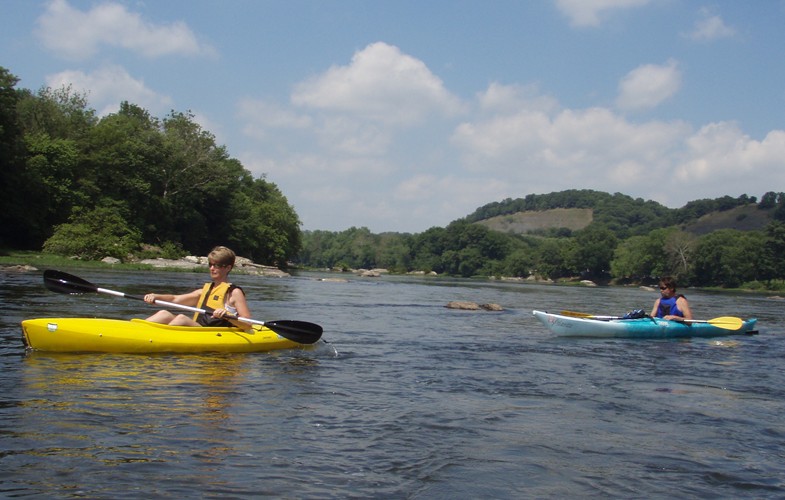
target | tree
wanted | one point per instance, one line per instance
(519, 263)
(10, 134)
(679, 248)
(39, 184)
(14, 223)
(779, 211)
(263, 226)
(192, 183)
(394, 253)
(768, 201)
(774, 250)
(551, 257)
(636, 257)
(61, 113)
(427, 249)
(593, 252)
(52, 173)
(95, 234)
(121, 158)
(729, 258)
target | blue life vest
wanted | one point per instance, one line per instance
(668, 306)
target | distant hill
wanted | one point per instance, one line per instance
(573, 219)
(746, 218)
(572, 210)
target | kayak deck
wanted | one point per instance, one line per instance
(140, 336)
(569, 326)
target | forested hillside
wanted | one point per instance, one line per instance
(128, 184)
(78, 185)
(622, 214)
(582, 234)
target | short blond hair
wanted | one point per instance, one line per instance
(222, 255)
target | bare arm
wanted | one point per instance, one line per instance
(236, 300)
(186, 299)
(684, 306)
(654, 309)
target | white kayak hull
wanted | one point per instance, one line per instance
(569, 326)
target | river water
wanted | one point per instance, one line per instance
(408, 399)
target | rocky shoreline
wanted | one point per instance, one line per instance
(242, 264)
(191, 262)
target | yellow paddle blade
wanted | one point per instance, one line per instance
(727, 322)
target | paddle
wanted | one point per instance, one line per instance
(576, 314)
(301, 332)
(724, 322)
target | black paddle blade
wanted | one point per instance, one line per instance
(301, 332)
(60, 282)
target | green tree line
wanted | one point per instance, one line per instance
(628, 241)
(76, 184)
(73, 183)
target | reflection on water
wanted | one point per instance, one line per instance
(408, 400)
(107, 376)
(119, 411)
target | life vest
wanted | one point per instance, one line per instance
(669, 306)
(214, 297)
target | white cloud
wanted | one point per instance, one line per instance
(711, 27)
(720, 153)
(338, 133)
(344, 135)
(344, 165)
(569, 147)
(110, 85)
(501, 98)
(595, 148)
(352, 114)
(589, 12)
(447, 197)
(318, 168)
(76, 34)
(380, 84)
(648, 86)
(262, 116)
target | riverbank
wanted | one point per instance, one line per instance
(31, 261)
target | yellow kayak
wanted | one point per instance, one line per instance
(140, 336)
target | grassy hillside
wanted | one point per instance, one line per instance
(746, 218)
(526, 222)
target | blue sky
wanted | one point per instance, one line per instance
(402, 115)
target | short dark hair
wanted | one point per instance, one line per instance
(222, 255)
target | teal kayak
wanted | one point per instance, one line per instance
(648, 328)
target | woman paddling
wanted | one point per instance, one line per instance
(671, 305)
(222, 300)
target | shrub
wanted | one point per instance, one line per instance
(93, 235)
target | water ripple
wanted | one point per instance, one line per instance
(407, 399)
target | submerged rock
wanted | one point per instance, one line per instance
(18, 268)
(473, 306)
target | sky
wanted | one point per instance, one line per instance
(402, 115)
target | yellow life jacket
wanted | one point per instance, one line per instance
(213, 297)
